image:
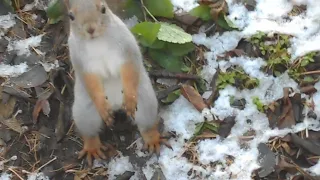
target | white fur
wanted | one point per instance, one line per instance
(104, 56)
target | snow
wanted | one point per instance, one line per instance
(37, 176)
(7, 21)
(181, 117)
(22, 46)
(184, 5)
(12, 71)
(315, 169)
(118, 166)
(5, 176)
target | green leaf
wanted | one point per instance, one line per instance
(163, 8)
(173, 33)
(166, 60)
(158, 44)
(304, 62)
(146, 32)
(55, 11)
(199, 128)
(172, 96)
(133, 8)
(224, 22)
(308, 79)
(180, 49)
(211, 126)
(201, 11)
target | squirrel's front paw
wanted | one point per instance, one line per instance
(106, 112)
(152, 141)
(130, 105)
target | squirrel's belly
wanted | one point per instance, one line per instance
(113, 90)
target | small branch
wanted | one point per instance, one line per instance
(145, 8)
(311, 72)
(14, 172)
(46, 164)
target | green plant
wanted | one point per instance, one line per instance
(166, 43)
(275, 51)
(236, 77)
(260, 106)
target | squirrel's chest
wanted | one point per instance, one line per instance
(104, 59)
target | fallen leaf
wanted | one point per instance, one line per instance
(266, 159)
(14, 124)
(287, 118)
(226, 126)
(214, 89)
(125, 176)
(232, 53)
(16, 91)
(35, 76)
(40, 105)
(6, 109)
(194, 97)
(305, 144)
(283, 164)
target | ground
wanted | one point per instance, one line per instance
(243, 105)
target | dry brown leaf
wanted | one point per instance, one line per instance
(287, 118)
(41, 105)
(6, 109)
(193, 97)
(76, 177)
(14, 124)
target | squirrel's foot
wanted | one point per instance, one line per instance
(152, 141)
(130, 105)
(92, 147)
(106, 112)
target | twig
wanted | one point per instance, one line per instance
(130, 146)
(148, 11)
(311, 72)
(46, 164)
(14, 172)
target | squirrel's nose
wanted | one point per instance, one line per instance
(90, 30)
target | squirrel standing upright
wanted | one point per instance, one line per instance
(109, 75)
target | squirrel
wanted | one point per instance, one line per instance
(109, 76)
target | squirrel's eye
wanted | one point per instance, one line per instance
(71, 16)
(103, 10)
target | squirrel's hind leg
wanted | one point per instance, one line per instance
(92, 147)
(152, 140)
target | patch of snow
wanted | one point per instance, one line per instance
(148, 170)
(49, 66)
(184, 5)
(22, 46)
(12, 71)
(5, 176)
(37, 176)
(7, 21)
(181, 117)
(315, 169)
(271, 16)
(181, 120)
(118, 166)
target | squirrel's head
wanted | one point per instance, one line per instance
(87, 17)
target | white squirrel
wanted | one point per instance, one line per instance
(109, 75)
